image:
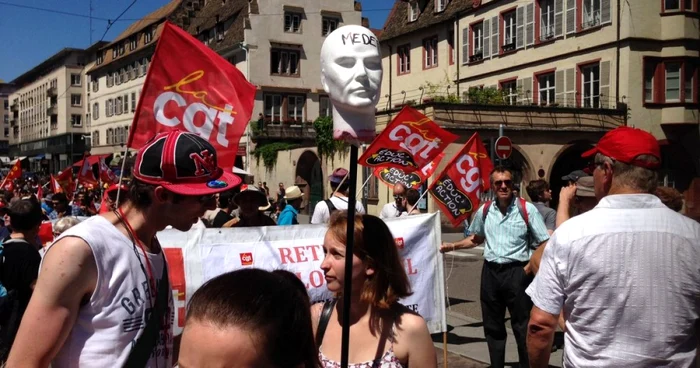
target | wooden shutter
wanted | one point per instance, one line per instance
(521, 91)
(465, 45)
(486, 37)
(560, 96)
(520, 27)
(570, 87)
(570, 16)
(605, 99)
(494, 36)
(530, 24)
(527, 91)
(605, 12)
(558, 18)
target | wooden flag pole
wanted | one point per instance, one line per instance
(347, 289)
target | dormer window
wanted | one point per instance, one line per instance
(413, 11)
(440, 5)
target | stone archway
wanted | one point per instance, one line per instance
(309, 177)
(567, 160)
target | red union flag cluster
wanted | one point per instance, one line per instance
(192, 88)
(411, 141)
(458, 188)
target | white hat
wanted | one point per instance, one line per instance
(292, 193)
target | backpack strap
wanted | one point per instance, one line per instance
(331, 206)
(522, 209)
(485, 212)
(323, 321)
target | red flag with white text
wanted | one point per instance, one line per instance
(391, 175)
(409, 142)
(55, 187)
(457, 190)
(192, 88)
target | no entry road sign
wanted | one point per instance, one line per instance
(504, 147)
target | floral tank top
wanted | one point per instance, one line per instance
(388, 360)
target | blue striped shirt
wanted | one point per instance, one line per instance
(506, 235)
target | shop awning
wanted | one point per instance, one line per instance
(93, 159)
(17, 159)
(37, 158)
(4, 159)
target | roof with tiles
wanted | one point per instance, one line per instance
(156, 18)
(397, 23)
(237, 10)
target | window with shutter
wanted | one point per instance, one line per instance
(570, 87)
(465, 45)
(547, 22)
(530, 24)
(546, 89)
(509, 31)
(605, 97)
(477, 50)
(559, 87)
(527, 92)
(605, 12)
(590, 14)
(558, 18)
(570, 16)
(520, 27)
(403, 54)
(486, 39)
(590, 84)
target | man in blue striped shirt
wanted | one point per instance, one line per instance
(511, 238)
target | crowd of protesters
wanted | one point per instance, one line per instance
(613, 264)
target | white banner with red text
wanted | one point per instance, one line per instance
(202, 254)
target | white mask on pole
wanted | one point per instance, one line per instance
(351, 74)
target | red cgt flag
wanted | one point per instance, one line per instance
(409, 142)
(55, 187)
(15, 173)
(392, 175)
(192, 88)
(458, 188)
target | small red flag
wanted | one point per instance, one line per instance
(106, 174)
(15, 173)
(192, 88)
(55, 187)
(85, 175)
(458, 188)
(40, 193)
(408, 143)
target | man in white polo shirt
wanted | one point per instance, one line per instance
(626, 273)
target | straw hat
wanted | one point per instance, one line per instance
(292, 193)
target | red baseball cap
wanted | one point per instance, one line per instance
(625, 144)
(183, 163)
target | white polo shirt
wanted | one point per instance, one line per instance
(627, 275)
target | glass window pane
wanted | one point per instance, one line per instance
(688, 83)
(672, 4)
(673, 71)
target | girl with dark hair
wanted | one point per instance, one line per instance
(383, 333)
(249, 318)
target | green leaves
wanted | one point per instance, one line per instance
(268, 152)
(325, 144)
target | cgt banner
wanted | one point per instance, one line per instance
(202, 254)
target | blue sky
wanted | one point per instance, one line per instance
(31, 35)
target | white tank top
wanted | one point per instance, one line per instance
(115, 316)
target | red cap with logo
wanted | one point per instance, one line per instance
(183, 163)
(625, 144)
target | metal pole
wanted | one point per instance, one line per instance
(367, 174)
(347, 289)
(500, 134)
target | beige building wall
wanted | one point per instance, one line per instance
(45, 106)
(267, 32)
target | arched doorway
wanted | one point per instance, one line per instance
(569, 159)
(309, 177)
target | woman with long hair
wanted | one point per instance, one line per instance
(383, 333)
(249, 318)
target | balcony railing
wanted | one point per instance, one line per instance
(478, 56)
(14, 107)
(52, 91)
(509, 47)
(591, 20)
(285, 130)
(52, 110)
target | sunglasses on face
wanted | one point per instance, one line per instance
(499, 183)
(399, 197)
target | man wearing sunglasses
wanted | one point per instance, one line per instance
(103, 298)
(626, 274)
(396, 208)
(510, 242)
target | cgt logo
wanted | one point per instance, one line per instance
(399, 243)
(246, 259)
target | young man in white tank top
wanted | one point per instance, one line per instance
(101, 282)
